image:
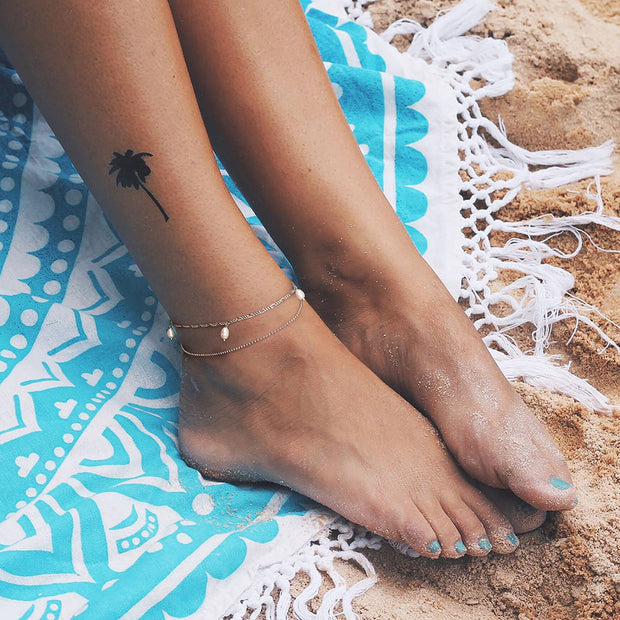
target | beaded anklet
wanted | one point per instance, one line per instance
(225, 330)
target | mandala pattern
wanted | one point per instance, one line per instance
(99, 516)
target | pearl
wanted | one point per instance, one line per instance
(171, 333)
(299, 294)
(224, 333)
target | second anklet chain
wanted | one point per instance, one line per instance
(224, 333)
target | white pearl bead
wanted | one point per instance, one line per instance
(300, 294)
(224, 333)
(171, 333)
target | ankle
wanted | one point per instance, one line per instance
(243, 374)
(228, 403)
(346, 252)
(360, 276)
(331, 266)
(216, 336)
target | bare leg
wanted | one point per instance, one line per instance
(296, 408)
(355, 259)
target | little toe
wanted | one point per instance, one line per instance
(473, 533)
(448, 535)
(500, 533)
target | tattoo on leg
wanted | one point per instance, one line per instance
(132, 172)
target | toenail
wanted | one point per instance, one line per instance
(434, 547)
(560, 484)
(575, 501)
(485, 544)
(512, 539)
(460, 547)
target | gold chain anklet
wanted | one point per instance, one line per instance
(224, 333)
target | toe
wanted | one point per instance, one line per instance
(473, 533)
(523, 516)
(544, 482)
(420, 535)
(500, 532)
(448, 535)
(523, 523)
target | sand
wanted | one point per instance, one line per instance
(567, 62)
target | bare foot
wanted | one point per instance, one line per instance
(298, 409)
(394, 314)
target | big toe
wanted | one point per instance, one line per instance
(542, 480)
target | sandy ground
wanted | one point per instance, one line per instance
(567, 62)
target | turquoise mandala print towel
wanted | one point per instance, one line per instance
(99, 516)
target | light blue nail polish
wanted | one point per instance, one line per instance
(575, 501)
(560, 484)
(460, 547)
(512, 539)
(434, 547)
(485, 544)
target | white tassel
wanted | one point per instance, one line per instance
(561, 166)
(442, 45)
(544, 372)
(355, 12)
(341, 541)
(448, 25)
(459, 19)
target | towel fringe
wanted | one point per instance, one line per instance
(540, 296)
(545, 372)
(270, 597)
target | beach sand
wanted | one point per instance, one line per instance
(567, 95)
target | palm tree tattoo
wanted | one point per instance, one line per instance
(132, 172)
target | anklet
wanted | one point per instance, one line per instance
(224, 333)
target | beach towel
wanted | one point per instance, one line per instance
(99, 515)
